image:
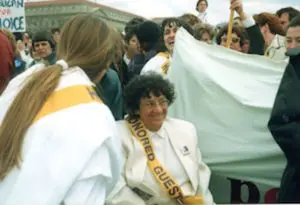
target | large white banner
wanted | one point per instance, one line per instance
(12, 15)
(229, 96)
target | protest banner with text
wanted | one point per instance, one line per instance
(12, 15)
(229, 96)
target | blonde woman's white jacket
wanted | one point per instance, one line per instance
(132, 188)
(72, 155)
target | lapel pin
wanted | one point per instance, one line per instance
(185, 150)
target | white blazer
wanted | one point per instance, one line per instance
(181, 134)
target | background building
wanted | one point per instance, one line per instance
(54, 13)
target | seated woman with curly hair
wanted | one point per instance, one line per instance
(163, 164)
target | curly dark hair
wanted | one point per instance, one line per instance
(239, 31)
(142, 86)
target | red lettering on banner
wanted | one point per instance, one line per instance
(5, 12)
(271, 196)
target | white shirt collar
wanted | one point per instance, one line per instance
(159, 133)
(126, 59)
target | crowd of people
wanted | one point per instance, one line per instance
(62, 91)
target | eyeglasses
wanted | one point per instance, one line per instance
(234, 39)
(151, 104)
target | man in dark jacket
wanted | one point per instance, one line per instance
(284, 125)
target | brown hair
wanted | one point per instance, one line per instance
(190, 19)
(91, 51)
(270, 19)
(200, 29)
(239, 31)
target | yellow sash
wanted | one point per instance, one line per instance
(166, 181)
(68, 97)
(165, 67)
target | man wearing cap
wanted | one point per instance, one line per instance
(44, 47)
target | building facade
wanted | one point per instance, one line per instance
(54, 13)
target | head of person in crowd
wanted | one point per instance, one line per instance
(55, 35)
(269, 26)
(204, 32)
(190, 19)
(119, 50)
(132, 44)
(293, 33)
(238, 37)
(201, 6)
(148, 34)
(286, 15)
(132, 24)
(169, 29)
(90, 51)
(44, 46)
(148, 97)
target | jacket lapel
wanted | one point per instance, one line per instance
(179, 148)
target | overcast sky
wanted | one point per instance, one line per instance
(218, 9)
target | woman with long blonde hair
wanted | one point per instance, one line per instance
(58, 142)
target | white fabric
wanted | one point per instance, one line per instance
(229, 95)
(155, 65)
(72, 155)
(63, 64)
(203, 16)
(181, 134)
(166, 155)
(126, 59)
(249, 22)
(27, 58)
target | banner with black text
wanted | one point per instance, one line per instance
(229, 96)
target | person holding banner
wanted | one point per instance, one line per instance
(249, 33)
(163, 163)
(58, 141)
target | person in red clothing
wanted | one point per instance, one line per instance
(6, 61)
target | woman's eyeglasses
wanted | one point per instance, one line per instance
(234, 39)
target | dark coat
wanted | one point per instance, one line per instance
(284, 125)
(257, 42)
